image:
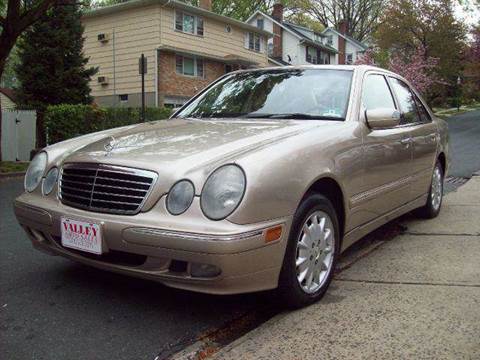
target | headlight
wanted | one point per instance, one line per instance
(180, 197)
(35, 171)
(50, 181)
(223, 192)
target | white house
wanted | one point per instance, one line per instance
(349, 49)
(293, 44)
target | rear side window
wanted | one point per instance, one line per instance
(376, 93)
(406, 101)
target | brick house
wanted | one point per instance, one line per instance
(186, 47)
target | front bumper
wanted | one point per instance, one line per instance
(144, 247)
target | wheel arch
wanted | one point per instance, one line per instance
(331, 189)
(443, 161)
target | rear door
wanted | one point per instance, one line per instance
(424, 137)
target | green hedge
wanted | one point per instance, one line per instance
(66, 121)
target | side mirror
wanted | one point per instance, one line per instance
(382, 118)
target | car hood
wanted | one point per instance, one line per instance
(185, 143)
(187, 149)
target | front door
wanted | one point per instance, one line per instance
(387, 156)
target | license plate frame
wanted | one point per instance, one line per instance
(81, 235)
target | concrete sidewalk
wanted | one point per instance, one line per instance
(416, 296)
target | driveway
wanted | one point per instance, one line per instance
(52, 308)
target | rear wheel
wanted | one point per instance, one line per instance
(311, 253)
(435, 195)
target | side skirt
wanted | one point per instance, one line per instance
(355, 234)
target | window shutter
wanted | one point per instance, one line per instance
(179, 64)
(178, 20)
(200, 68)
(199, 26)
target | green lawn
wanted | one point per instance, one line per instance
(13, 166)
(447, 112)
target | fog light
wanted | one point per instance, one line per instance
(204, 270)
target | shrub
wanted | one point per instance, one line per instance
(66, 121)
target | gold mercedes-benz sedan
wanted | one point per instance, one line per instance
(259, 182)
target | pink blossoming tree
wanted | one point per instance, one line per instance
(417, 68)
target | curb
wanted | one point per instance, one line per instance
(12, 174)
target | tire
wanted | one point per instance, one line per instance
(435, 195)
(315, 250)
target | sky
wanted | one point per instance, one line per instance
(469, 16)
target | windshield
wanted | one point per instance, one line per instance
(284, 93)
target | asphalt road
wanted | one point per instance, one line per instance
(465, 144)
(52, 308)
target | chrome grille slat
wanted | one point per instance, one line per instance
(80, 176)
(113, 194)
(127, 181)
(76, 182)
(75, 189)
(120, 188)
(94, 187)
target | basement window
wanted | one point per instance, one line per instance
(189, 66)
(123, 97)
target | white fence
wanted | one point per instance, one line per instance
(18, 134)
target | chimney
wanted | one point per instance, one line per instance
(277, 14)
(205, 4)
(342, 29)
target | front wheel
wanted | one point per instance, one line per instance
(435, 195)
(312, 252)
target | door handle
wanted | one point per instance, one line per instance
(406, 142)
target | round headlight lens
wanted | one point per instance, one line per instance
(50, 181)
(180, 197)
(223, 192)
(35, 171)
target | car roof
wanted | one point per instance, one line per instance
(358, 68)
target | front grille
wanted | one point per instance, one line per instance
(105, 188)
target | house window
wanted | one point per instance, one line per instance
(349, 59)
(253, 41)
(330, 39)
(123, 97)
(190, 66)
(228, 68)
(270, 47)
(312, 55)
(189, 24)
(260, 23)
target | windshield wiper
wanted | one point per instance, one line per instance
(294, 116)
(217, 115)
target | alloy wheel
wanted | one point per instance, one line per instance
(315, 251)
(437, 188)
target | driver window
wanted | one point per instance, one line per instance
(407, 102)
(376, 93)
